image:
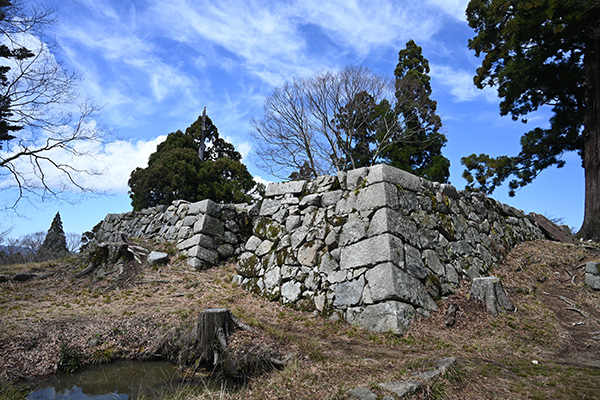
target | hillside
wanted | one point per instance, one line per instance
(122, 315)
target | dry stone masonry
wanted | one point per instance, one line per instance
(205, 232)
(374, 245)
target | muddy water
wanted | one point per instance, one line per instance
(122, 380)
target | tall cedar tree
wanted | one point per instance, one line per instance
(55, 243)
(6, 126)
(542, 53)
(420, 151)
(175, 172)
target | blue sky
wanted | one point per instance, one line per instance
(153, 65)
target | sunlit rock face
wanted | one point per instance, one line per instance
(375, 245)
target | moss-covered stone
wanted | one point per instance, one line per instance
(267, 229)
(433, 286)
(338, 220)
(251, 285)
(282, 256)
(246, 266)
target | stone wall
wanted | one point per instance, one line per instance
(374, 245)
(205, 232)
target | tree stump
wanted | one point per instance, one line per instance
(489, 290)
(209, 345)
(212, 333)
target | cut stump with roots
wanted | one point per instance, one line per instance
(490, 291)
(208, 346)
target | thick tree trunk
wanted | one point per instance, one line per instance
(591, 151)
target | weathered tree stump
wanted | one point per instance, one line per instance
(212, 333)
(489, 290)
(210, 345)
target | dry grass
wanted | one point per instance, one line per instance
(325, 358)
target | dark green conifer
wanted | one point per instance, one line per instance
(55, 243)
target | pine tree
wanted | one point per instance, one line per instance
(55, 243)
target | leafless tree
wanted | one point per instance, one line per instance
(21, 250)
(301, 130)
(57, 125)
(73, 241)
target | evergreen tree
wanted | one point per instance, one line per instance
(175, 172)
(55, 243)
(420, 150)
(542, 53)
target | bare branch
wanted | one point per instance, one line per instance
(57, 126)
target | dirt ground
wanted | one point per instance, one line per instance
(548, 348)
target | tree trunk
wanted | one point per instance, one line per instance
(591, 151)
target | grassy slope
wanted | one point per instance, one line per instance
(121, 316)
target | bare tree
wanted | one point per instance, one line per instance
(315, 124)
(74, 242)
(54, 125)
(22, 250)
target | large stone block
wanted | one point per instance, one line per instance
(264, 248)
(253, 243)
(205, 207)
(278, 189)
(353, 230)
(592, 275)
(310, 200)
(413, 264)
(197, 240)
(209, 226)
(356, 178)
(331, 198)
(190, 220)
(209, 256)
(290, 291)
(376, 196)
(272, 278)
(386, 220)
(375, 250)
(388, 282)
(395, 176)
(349, 294)
(269, 207)
(390, 316)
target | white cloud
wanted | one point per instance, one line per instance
(108, 165)
(273, 40)
(360, 28)
(460, 84)
(455, 8)
(119, 159)
(262, 180)
(121, 62)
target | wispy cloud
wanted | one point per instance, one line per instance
(455, 8)
(120, 62)
(103, 167)
(460, 84)
(272, 40)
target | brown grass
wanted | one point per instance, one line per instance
(123, 317)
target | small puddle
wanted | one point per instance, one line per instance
(121, 380)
